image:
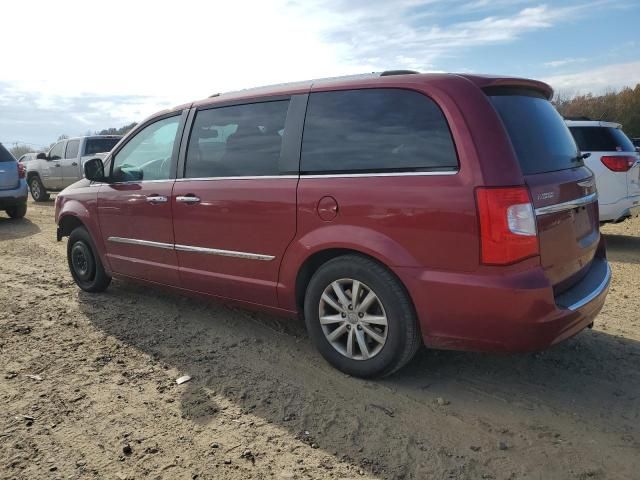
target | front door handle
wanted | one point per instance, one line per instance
(157, 199)
(74, 164)
(56, 164)
(187, 199)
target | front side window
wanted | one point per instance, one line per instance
(72, 149)
(375, 130)
(147, 156)
(57, 152)
(241, 140)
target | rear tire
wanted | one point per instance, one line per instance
(84, 262)
(380, 322)
(37, 189)
(18, 211)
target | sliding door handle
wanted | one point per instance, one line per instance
(187, 199)
(157, 199)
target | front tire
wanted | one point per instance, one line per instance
(84, 262)
(17, 212)
(360, 317)
(37, 189)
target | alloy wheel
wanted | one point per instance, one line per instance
(353, 319)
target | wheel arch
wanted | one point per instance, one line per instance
(68, 223)
(317, 259)
(74, 214)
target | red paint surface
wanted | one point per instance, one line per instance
(424, 228)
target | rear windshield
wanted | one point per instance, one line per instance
(601, 139)
(5, 155)
(99, 145)
(538, 133)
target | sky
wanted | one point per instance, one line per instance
(70, 67)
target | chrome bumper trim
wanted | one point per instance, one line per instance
(597, 291)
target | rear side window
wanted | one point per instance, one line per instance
(72, 149)
(539, 136)
(375, 130)
(5, 155)
(99, 145)
(601, 139)
(237, 141)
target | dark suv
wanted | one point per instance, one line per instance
(390, 210)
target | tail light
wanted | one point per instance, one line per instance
(618, 164)
(22, 171)
(508, 230)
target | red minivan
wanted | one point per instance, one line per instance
(389, 210)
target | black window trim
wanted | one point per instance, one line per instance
(289, 163)
(387, 172)
(174, 154)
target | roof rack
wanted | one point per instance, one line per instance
(388, 73)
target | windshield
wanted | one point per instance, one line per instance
(538, 133)
(602, 139)
(5, 155)
(99, 145)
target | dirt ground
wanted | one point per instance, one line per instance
(87, 388)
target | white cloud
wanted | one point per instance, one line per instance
(563, 62)
(158, 53)
(597, 80)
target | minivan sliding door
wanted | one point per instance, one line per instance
(235, 205)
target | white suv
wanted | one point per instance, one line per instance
(615, 164)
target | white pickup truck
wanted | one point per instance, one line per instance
(63, 164)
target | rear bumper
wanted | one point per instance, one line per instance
(503, 313)
(15, 196)
(627, 207)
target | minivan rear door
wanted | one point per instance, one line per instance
(234, 206)
(562, 188)
(9, 178)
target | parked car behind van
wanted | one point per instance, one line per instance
(616, 165)
(13, 187)
(62, 164)
(390, 210)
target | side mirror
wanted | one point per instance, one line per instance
(94, 170)
(41, 156)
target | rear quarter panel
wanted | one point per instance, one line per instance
(428, 222)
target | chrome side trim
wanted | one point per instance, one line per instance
(380, 174)
(560, 207)
(192, 249)
(144, 243)
(598, 290)
(224, 253)
(248, 177)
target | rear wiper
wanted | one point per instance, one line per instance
(580, 157)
